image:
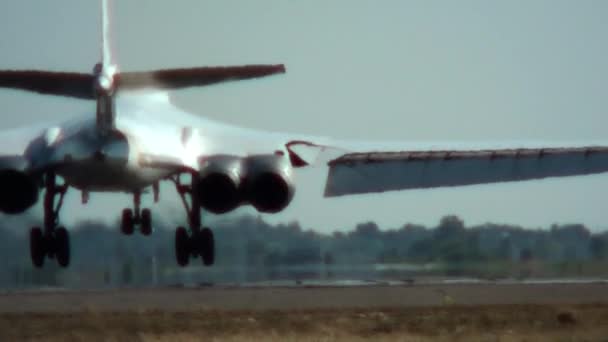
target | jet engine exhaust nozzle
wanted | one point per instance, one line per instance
(18, 191)
(219, 183)
(269, 192)
(218, 193)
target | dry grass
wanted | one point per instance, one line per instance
(447, 323)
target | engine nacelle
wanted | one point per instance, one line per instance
(18, 190)
(219, 183)
(269, 183)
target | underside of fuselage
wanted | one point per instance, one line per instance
(90, 160)
(107, 176)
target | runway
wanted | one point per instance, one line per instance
(305, 296)
(450, 310)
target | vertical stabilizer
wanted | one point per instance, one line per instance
(104, 76)
(105, 80)
(106, 50)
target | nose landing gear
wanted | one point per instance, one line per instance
(198, 240)
(52, 240)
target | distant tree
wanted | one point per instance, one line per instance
(294, 227)
(367, 230)
(127, 272)
(328, 258)
(570, 231)
(574, 240)
(505, 250)
(256, 252)
(450, 226)
(422, 250)
(338, 235)
(525, 254)
(599, 247)
(273, 258)
(389, 255)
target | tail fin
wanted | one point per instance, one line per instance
(107, 63)
(106, 76)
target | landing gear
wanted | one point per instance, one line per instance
(127, 225)
(146, 222)
(182, 246)
(206, 244)
(37, 251)
(51, 240)
(62, 246)
(196, 241)
(130, 218)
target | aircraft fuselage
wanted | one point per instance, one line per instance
(93, 161)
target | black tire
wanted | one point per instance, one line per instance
(207, 246)
(126, 223)
(146, 222)
(37, 247)
(62, 246)
(182, 246)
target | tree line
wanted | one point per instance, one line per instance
(247, 247)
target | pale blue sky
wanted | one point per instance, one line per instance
(474, 71)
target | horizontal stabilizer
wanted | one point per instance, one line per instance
(82, 86)
(49, 83)
(193, 77)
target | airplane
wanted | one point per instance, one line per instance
(137, 138)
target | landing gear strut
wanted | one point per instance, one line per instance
(52, 240)
(197, 240)
(131, 217)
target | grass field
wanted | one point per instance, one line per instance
(588, 322)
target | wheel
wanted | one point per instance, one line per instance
(126, 223)
(207, 246)
(182, 246)
(146, 222)
(62, 246)
(37, 250)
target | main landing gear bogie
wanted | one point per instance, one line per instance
(56, 245)
(52, 240)
(131, 218)
(200, 244)
(196, 241)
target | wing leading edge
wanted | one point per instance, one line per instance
(358, 173)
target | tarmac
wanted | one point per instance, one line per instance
(304, 295)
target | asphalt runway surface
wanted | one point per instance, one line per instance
(302, 297)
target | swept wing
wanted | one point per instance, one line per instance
(369, 172)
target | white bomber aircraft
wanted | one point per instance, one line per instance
(137, 138)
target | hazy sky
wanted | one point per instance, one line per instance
(474, 71)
